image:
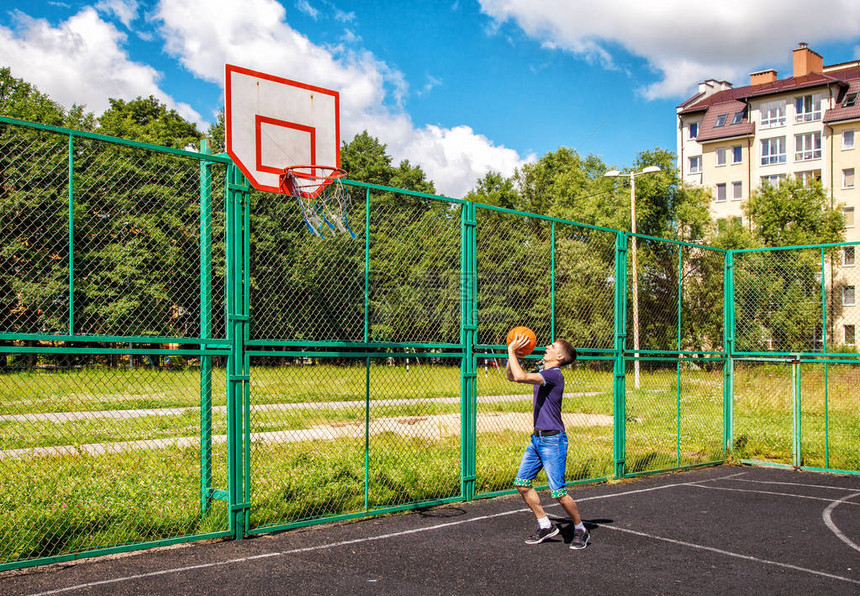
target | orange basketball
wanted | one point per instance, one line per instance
(529, 347)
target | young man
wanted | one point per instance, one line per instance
(548, 446)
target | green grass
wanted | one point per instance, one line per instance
(59, 505)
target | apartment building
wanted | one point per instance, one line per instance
(734, 139)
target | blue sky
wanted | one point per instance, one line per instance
(457, 86)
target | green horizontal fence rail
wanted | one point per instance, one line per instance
(180, 359)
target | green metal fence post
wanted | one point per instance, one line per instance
(619, 386)
(468, 337)
(552, 287)
(72, 235)
(796, 419)
(237, 373)
(367, 339)
(205, 332)
(678, 362)
(728, 348)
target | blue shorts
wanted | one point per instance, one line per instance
(549, 453)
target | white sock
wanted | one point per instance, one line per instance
(543, 522)
(580, 527)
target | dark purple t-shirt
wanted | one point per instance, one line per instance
(547, 400)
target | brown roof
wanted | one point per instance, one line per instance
(707, 130)
(840, 113)
(781, 86)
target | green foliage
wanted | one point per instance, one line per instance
(23, 101)
(794, 214)
(216, 135)
(149, 121)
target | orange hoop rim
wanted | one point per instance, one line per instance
(308, 173)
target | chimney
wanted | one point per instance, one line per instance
(712, 86)
(806, 61)
(763, 76)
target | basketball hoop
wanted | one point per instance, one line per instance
(321, 195)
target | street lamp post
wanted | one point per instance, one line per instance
(632, 175)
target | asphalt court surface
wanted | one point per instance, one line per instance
(709, 531)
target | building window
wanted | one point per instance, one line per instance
(737, 191)
(737, 154)
(721, 193)
(849, 335)
(772, 114)
(848, 214)
(739, 117)
(848, 296)
(773, 151)
(807, 146)
(848, 139)
(720, 121)
(848, 256)
(774, 180)
(848, 178)
(807, 108)
(721, 156)
(850, 100)
(694, 130)
(696, 164)
(738, 220)
(809, 177)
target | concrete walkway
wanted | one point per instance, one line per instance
(430, 427)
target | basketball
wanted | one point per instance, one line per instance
(529, 347)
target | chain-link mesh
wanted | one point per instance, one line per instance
(137, 246)
(584, 286)
(702, 301)
(504, 424)
(778, 301)
(675, 417)
(103, 454)
(334, 436)
(657, 287)
(841, 299)
(514, 281)
(763, 412)
(831, 426)
(414, 270)
(34, 231)
(303, 286)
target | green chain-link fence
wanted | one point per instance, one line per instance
(181, 359)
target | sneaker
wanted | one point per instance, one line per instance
(542, 534)
(580, 539)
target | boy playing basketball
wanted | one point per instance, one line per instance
(548, 446)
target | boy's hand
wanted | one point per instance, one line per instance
(519, 342)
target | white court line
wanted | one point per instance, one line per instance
(792, 484)
(331, 545)
(731, 554)
(418, 530)
(766, 492)
(828, 521)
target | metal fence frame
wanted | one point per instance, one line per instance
(236, 347)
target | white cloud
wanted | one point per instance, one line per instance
(80, 61)
(124, 10)
(305, 7)
(726, 39)
(205, 34)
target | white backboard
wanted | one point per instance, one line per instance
(272, 123)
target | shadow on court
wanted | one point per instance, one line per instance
(709, 531)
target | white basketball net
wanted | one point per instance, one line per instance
(322, 197)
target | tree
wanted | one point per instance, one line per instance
(23, 101)
(794, 213)
(149, 121)
(778, 293)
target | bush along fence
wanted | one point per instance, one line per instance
(181, 359)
